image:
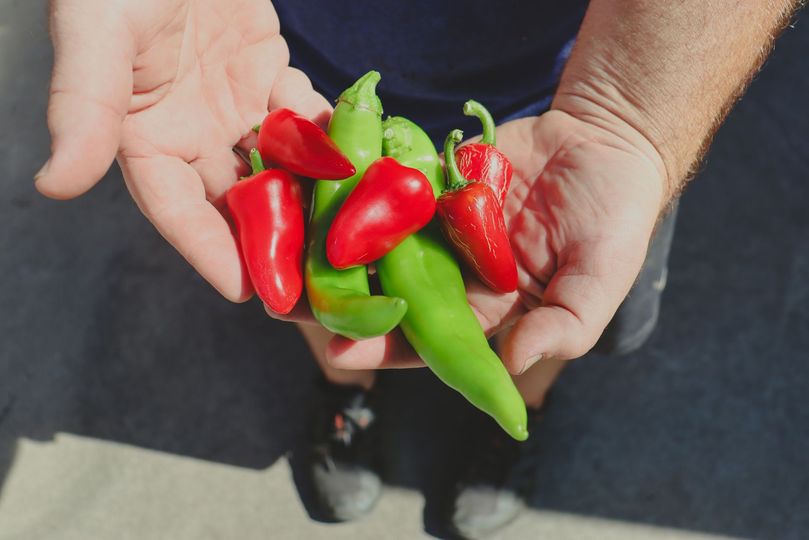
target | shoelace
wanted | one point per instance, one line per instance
(350, 421)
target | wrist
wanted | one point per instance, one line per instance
(621, 125)
(671, 73)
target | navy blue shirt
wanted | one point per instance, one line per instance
(434, 55)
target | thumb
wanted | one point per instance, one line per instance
(90, 92)
(578, 303)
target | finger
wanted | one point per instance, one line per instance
(579, 301)
(293, 90)
(171, 195)
(495, 311)
(219, 172)
(391, 351)
(256, 67)
(301, 313)
(90, 91)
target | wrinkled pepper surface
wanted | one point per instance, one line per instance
(482, 161)
(472, 220)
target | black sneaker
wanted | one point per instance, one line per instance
(342, 453)
(493, 481)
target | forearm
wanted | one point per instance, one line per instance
(670, 71)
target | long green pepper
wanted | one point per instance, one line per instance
(439, 323)
(341, 299)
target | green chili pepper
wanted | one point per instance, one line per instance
(341, 299)
(439, 323)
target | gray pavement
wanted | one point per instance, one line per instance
(136, 403)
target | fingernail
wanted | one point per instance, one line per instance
(530, 361)
(43, 170)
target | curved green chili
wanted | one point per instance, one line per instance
(341, 299)
(439, 323)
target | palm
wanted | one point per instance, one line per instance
(169, 87)
(200, 81)
(580, 213)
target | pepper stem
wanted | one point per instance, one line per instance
(455, 180)
(397, 137)
(362, 94)
(256, 128)
(255, 161)
(473, 108)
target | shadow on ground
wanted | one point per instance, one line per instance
(107, 333)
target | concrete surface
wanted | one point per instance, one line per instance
(135, 403)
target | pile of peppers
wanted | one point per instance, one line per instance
(381, 196)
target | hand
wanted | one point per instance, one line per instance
(169, 87)
(581, 210)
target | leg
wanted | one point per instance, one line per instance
(632, 324)
(341, 458)
(489, 491)
(536, 381)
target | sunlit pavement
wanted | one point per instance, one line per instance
(136, 403)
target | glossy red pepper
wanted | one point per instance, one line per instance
(268, 211)
(472, 220)
(389, 203)
(482, 161)
(300, 146)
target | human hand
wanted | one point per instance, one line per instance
(583, 204)
(169, 87)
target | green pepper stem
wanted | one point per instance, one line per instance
(473, 108)
(455, 180)
(397, 137)
(362, 94)
(255, 161)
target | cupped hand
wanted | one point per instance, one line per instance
(169, 87)
(583, 204)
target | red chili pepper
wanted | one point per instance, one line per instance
(297, 144)
(268, 211)
(472, 220)
(482, 161)
(389, 203)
